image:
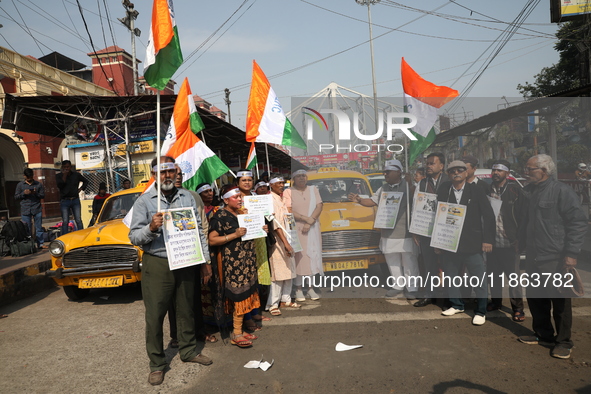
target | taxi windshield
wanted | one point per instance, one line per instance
(117, 207)
(337, 189)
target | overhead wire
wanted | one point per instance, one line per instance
(503, 38)
(93, 47)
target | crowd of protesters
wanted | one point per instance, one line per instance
(244, 278)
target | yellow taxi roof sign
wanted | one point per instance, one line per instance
(327, 169)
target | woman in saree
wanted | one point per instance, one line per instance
(236, 264)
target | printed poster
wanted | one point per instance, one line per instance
(259, 204)
(447, 230)
(388, 209)
(423, 214)
(181, 237)
(253, 223)
(292, 233)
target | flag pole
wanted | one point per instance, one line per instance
(158, 183)
(407, 187)
(267, 155)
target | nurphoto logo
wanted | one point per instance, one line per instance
(344, 130)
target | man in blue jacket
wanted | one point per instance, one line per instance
(556, 231)
(31, 192)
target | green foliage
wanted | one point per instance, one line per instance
(564, 74)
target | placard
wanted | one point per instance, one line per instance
(181, 237)
(448, 226)
(253, 223)
(262, 204)
(423, 214)
(388, 209)
(292, 233)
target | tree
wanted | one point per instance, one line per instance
(565, 74)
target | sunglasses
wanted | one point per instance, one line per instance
(456, 170)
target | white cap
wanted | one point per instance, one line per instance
(393, 165)
(582, 166)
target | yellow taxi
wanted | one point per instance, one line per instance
(99, 256)
(349, 240)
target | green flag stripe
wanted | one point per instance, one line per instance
(168, 60)
(210, 169)
(420, 145)
(291, 137)
(196, 123)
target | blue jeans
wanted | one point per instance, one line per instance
(73, 206)
(474, 263)
(38, 229)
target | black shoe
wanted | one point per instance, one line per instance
(493, 307)
(534, 340)
(173, 343)
(423, 302)
(560, 352)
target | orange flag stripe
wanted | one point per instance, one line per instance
(259, 91)
(429, 93)
(181, 109)
(161, 24)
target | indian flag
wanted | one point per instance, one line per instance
(198, 163)
(265, 119)
(422, 98)
(180, 122)
(252, 161)
(163, 54)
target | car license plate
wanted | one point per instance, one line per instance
(347, 265)
(95, 283)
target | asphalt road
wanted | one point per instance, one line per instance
(51, 345)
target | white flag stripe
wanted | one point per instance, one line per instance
(196, 155)
(273, 121)
(425, 113)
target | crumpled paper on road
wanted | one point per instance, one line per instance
(264, 365)
(341, 347)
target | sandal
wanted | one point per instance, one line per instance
(242, 343)
(274, 311)
(250, 337)
(252, 326)
(293, 305)
(261, 318)
(519, 316)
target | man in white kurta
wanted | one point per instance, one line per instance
(396, 244)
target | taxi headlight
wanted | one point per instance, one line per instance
(57, 248)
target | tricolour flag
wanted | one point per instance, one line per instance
(163, 53)
(265, 119)
(252, 161)
(198, 163)
(185, 118)
(422, 98)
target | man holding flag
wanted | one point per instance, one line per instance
(160, 285)
(422, 99)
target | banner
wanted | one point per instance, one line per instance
(448, 226)
(292, 233)
(388, 209)
(181, 237)
(262, 204)
(254, 225)
(423, 214)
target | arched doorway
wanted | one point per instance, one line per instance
(12, 163)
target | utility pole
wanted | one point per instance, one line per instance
(373, 70)
(130, 16)
(228, 102)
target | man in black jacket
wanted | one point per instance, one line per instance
(31, 192)
(509, 204)
(477, 236)
(70, 183)
(556, 231)
(431, 184)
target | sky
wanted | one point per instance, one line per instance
(303, 45)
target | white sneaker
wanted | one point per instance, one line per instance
(478, 320)
(313, 295)
(451, 311)
(299, 296)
